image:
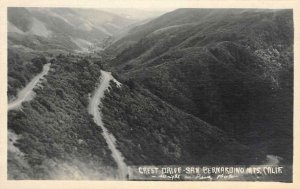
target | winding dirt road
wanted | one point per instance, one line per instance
(26, 93)
(93, 109)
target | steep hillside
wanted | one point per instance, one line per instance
(231, 68)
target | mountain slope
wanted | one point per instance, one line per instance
(231, 68)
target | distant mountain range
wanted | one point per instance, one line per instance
(62, 29)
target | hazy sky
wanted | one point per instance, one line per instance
(140, 13)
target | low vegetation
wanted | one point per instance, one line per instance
(55, 127)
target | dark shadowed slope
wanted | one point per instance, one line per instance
(231, 68)
(150, 131)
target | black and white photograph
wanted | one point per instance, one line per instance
(150, 94)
